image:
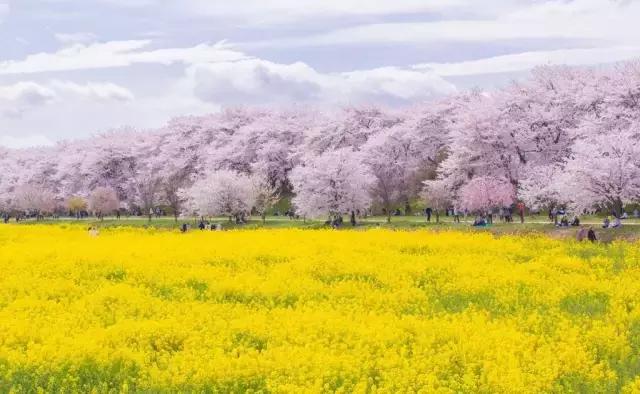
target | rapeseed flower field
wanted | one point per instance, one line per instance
(137, 310)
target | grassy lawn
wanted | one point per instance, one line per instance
(533, 224)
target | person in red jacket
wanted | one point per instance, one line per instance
(520, 207)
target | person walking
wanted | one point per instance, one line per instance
(428, 212)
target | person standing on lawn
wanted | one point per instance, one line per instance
(520, 206)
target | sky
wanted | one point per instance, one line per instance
(73, 68)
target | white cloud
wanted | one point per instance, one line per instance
(76, 38)
(285, 11)
(118, 3)
(105, 91)
(254, 81)
(276, 11)
(578, 19)
(529, 60)
(116, 54)
(392, 84)
(77, 116)
(24, 142)
(259, 81)
(218, 75)
(21, 97)
(4, 10)
(26, 91)
(130, 3)
(17, 98)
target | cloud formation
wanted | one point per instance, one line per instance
(70, 68)
(76, 38)
(4, 9)
(529, 60)
(596, 20)
(257, 81)
(21, 97)
(116, 54)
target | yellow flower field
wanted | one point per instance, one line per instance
(315, 311)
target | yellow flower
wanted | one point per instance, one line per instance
(312, 310)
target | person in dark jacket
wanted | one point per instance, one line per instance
(591, 235)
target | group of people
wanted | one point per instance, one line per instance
(586, 233)
(607, 223)
(290, 213)
(505, 214)
(564, 222)
(203, 225)
(481, 221)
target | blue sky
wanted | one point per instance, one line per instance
(71, 68)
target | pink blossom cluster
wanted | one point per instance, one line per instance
(563, 137)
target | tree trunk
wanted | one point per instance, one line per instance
(264, 218)
(437, 216)
(617, 207)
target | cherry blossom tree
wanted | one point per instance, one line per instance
(437, 194)
(539, 189)
(34, 199)
(350, 128)
(604, 171)
(5, 207)
(222, 193)
(265, 195)
(76, 205)
(103, 201)
(505, 133)
(537, 134)
(331, 184)
(398, 156)
(484, 193)
(148, 187)
(388, 155)
(171, 186)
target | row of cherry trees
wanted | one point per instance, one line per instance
(563, 137)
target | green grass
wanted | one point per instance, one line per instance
(533, 224)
